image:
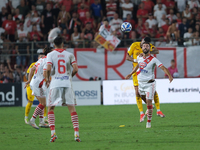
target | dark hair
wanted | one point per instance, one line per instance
(146, 43)
(58, 41)
(47, 50)
(147, 39)
(172, 60)
(105, 19)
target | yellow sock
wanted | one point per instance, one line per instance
(45, 111)
(156, 100)
(139, 103)
(28, 108)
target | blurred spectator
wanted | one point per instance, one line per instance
(21, 33)
(82, 12)
(2, 30)
(162, 7)
(115, 24)
(179, 19)
(152, 22)
(7, 76)
(160, 33)
(23, 8)
(171, 16)
(148, 5)
(181, 4)
(159, 12)
(22, 50)
(186, 13)
(68, 4)
(34, 46)
(3, 15)
(111, 8)
(48, 20)
(162, 21)
(2, 70)
(75, 37)
(173, 69)
(194, 21)
(172, 32)
(97, 10)
(105, 25)
(39, 6)
(187, 37)
(17, 21)
(74, 22)
(193, 3)
(196, 38)
(5, 50)
(35, 32)
(85, 4)
(197, 28)
(17, 15)
(36, 21)
(161, 42)
(33, 10)
(63, 17)
(146, 31)
(142, 13)
(127, 8)
(183, 27)
(139, 27)
(27, 23)
(66, 36)
(89, 19)
(10, 28)
(170, 4)
(18, 74)
(3, 3)
(88, 34)
(131, 21)
(15, 3)
(195, 11)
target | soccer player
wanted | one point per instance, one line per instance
(36, 85)
(146, 78)
(61, 85)
(31, 97)
(133, 51)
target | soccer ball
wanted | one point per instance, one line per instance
(126, 27)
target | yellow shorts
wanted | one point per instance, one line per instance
(29, 93)
(135, 80)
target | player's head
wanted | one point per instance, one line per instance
(146, 47)
(58, 42)
(105, 21)
(146, 39)
(47, 50)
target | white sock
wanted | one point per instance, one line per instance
(26, 117)
(32, 119)
(158, 110)
(76, 133)
(141, 112)
(52, 132)
(41, 120)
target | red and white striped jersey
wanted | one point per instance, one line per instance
(61, 62)
(146, 68)
(110, 13)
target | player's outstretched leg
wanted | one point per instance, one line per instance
(157, 103)
(51, 120)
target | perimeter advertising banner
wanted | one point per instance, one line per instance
(108, 41)
(179, 91)
(86, 92)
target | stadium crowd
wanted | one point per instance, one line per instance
(26, 23)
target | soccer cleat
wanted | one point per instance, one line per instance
(53, 137)
(77, 138)
(142, 116)
(159, 113)
(33, 125)
(43, 125)
(26, 121)
(148, 125)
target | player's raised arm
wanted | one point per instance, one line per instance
(133, 71)
(167, 72)
(154, 51)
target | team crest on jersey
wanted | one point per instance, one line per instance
(142, 65)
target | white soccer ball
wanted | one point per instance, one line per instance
(126, 27)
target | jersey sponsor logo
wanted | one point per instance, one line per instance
(62, 78)
(142, 65)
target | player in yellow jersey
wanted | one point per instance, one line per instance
(30, 97)
(133, 51)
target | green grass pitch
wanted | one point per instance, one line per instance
(99, 129)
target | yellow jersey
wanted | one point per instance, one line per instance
(135, 49)
(30, 67)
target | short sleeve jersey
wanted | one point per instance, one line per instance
(61, 62)
(146, 68)
(135, 49)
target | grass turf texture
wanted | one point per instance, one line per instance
(99, 129)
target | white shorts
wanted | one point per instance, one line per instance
(36, 91)
(147, 89)
(63, 94)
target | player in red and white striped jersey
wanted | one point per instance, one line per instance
(61, 85)
(146, 78)
(111, 8)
